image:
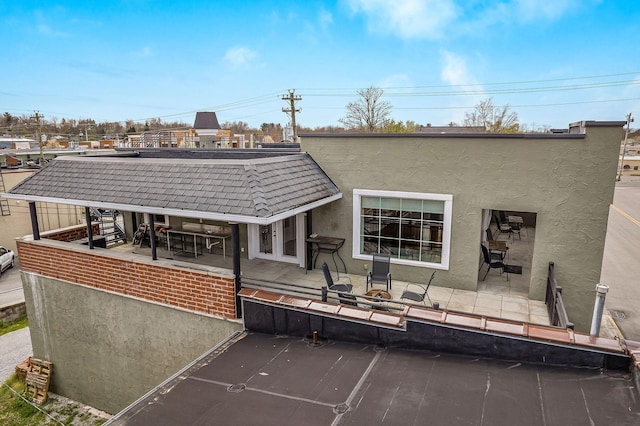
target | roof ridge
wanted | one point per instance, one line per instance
(257, 192)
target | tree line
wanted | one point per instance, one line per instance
(368, 113)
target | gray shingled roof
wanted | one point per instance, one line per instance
(219, 189)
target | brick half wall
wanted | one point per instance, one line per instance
(131, 275)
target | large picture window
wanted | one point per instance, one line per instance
(413, 228)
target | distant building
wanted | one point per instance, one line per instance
(207, 126)
(16, 143)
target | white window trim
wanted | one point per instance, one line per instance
(446, 232)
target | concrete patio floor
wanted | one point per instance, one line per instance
(496, 296)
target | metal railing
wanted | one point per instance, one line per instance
(555, 305)
(111, 225)
(324, 294)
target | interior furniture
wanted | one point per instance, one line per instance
(498, 250)
(515, 222)
(504, 227)
(379, 273)
(189, 242)
(417, 292)
(492, 264)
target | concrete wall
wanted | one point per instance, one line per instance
(568, 181)
(109, 349)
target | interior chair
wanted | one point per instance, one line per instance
(495, 254)
(417, 292)
(340, 287)
(504, 228)
(379, 273)
(489, 234)
(493, 264)
(516, 227)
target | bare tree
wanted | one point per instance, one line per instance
(368, 113)
(493, 118)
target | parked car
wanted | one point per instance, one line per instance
(7, 259)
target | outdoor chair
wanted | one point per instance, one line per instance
(379, 273)
(417, 292)
(492, 264)
(504, 228)
(333, 286)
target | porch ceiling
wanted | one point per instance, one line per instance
(253, 190)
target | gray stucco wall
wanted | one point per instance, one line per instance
(567, 181)
(108, 349)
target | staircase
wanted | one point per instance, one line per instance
(4, 203)
(111, 225)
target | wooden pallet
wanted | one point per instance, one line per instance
(38, 379)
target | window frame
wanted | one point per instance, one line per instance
(446, 231)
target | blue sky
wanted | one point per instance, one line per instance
(554, 62)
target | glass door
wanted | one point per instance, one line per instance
(279, 241)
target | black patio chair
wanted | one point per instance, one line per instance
(493, 264)
(333, 286)
(379, 273)
(419, 293)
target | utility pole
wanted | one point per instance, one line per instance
(292, 110)
(624, 149)
(37, 116)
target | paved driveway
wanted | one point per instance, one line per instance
(11, 286)
(621, 261)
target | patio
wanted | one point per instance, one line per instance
(496, 297)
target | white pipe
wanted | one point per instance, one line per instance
(598, 307)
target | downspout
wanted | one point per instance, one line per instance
(598, 307)
(87, 218)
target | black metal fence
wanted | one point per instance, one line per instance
(324, 294)
(555, 306)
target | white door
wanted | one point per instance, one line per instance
(280, 241)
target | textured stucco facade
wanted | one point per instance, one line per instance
(109, 349)
(567, 180)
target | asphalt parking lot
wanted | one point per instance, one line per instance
(11, 286)
(621, 260)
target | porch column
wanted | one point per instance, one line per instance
(152, 237)
(34, 220)
(87, 218)
(235, 242)
(308, 231)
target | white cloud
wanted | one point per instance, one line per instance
(407, 18)
(145, 51)
(397, 81)
(325, 18)
(455, 71)
(238, 56)
(432, 19)
(46, 30)
(529, 10)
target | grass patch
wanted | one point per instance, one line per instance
(13, 409)
(8, 327)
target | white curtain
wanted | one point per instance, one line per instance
(486, 222)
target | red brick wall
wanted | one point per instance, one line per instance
(192, 290)
(76, 233)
